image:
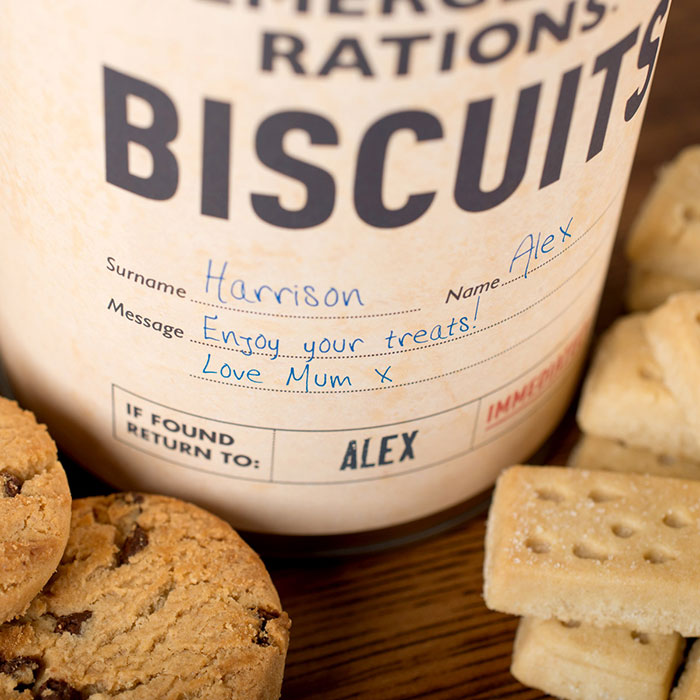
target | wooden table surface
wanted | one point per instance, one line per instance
(410, 623)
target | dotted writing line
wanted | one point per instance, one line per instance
(264, 313)
(570, 246)
(406, 350)
(395, 386)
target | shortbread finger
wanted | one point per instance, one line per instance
(592, 452)
(625, 398)
(647, 289)
(673, 333)
(666, 234)
(580, 662)
(597, 547)
(688, 687)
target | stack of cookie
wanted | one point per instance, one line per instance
(664, 244)
(603, 566)
(127, 596)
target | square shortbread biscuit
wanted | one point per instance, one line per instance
(673, 333)
(647, 289)
(688, 687)
(592, 452)
(596, 547)
(624, 396)
(582, 662)
(666, 234)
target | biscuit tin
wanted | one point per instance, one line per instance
(322, 266)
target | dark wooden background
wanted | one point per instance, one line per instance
(410, 623)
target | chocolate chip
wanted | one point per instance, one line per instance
(23, 669)
(134, 543)
(12, 484)
(57, 690)
(71, 623)
(262, 638)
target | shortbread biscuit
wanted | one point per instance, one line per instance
(581, 662)
(154, 598)
(666, 234)
(647, 289)
(34, 508)
(592, 452)
(688, 687)
(624, 396)
(597, 547)
(673, 333)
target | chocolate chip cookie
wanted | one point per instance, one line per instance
(154, 599)
(34, 509)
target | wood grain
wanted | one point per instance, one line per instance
(410, 623)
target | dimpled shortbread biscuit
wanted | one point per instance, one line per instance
(596, 547)
(666, 234)
(581, 662)
(34, 509)
(647, 289)
(592, 452)
(154, 599)
(624, 396)
(673, 332)
(688, 687)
